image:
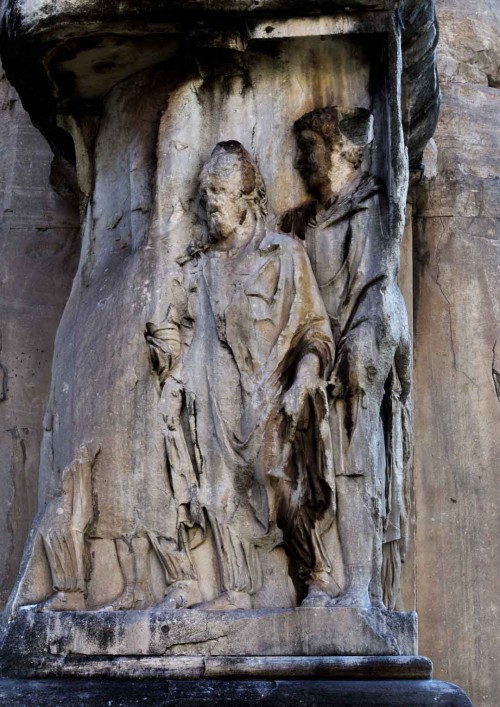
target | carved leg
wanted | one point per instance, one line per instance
(356, 531)
(239, 568)
(182, 583)
(63, 533)
(126, 559)
(304, 543)
(227, 601)
(376, 589)
(143, 596)
(64, 601)
(391, 572)
(320, 584)
(133, 556)
(182, 594)
(356, 592)
(64, 550)
(318, 591)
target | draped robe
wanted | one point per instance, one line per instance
(348, 245)
(247, 319)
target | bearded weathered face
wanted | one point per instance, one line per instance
(223, 196)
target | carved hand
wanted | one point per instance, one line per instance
(171, 401)
(307, 385)
(164, 347)
(352, 374)
(163, 354)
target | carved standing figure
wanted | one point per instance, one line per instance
(247, 347)
(63, 526)
(345, 228)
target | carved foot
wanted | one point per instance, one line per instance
(181, 595)
(132, 598)
(352, 598)
(316, 597)
(64, 601)
(318, 593)
(228, 601)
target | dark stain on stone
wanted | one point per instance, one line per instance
(4, 379)
(4, 382)
(495, 369)
(103, 67)
(103, 633)
(493, 82)
(105, 636)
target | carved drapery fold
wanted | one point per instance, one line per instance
(241, 357)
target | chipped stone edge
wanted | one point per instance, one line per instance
(199, 667)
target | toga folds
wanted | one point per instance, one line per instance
(350, 251)
(246, 320)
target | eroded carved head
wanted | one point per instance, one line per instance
(232, 190)
(330, 146)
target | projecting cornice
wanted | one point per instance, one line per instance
(64, 56)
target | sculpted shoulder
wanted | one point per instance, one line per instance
(284, 242)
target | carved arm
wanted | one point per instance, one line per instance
(164, 341)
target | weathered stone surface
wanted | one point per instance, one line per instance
(457, 321)
(467, 55)
(469, 60)
(39, 244)
(104, 469)
(276, 693)
(121, 462)
(404, 667)
(303, 631)
(223, 667)
(130, 243)
(468, 48)
(31, 12)
(74, 46)
(420, 78)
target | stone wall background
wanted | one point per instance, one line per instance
(456, 251)
(39, 242)
(456, 254)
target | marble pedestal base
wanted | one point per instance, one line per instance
(222, 667)
(267, 657)
(222, 693)
(40, 637)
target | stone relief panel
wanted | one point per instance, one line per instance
(239, 355)
(63, 530)
(246, 357)
(345, 230)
